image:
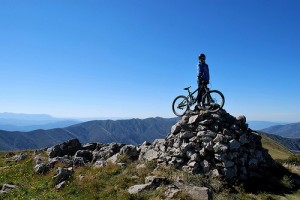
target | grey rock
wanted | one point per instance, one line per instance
(185, 147)
(9, 155)
(195, 157)
(184, 120)
(206, 139)
(114, 158)
(206, 122)
(215, 173)
(218, 147)
(38, 160)
(205, 166)
(87, 155)
(202, 152)
(130, 151)
(42, 168)
(244, 139)
(65, 160)
(100, 163)
(201, 128)
(228, 163)
(79, 162)
(234, 127)
(107, 151)
(193, 164)
(230, 172)
(63, 174)
(159, 144)
(209, 146)
(242, 119)
(67, 148)
(138, 188)
(253, 162)
(60, 185)
(89, 146)
(195, 118)
(215, 127)
(197, 193)
(218, 138)
(186, 135)
(234, 144)
(7, 187)
(259, 155)
(21, 156)
(156, 180)
(175, 129)
(171, 191)
(151, 182)
(149, 155)
(233, 155)
(221, 157)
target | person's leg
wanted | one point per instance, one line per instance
(200, 93)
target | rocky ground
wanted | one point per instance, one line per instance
(209, 145)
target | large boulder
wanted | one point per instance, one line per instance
(69, 147)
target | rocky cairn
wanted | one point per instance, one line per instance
(209, 144)
(214, 144)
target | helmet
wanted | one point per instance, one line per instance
(202, 55)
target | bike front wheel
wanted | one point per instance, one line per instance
(180, 105)
(213, 101)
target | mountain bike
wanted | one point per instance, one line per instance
(211, 100)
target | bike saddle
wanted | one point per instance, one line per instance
(187, 88)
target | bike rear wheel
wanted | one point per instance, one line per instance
(180, 105)
(213, 101)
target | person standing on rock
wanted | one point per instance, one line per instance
(203, 76)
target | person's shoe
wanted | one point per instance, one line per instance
(197, 107)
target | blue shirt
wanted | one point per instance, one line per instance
(203, 71)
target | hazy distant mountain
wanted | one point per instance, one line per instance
(258, 125)
(132, 131)
(58, 124)
(29, 122)
(288, 130)
(21, 116)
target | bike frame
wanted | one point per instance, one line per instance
(191, 97)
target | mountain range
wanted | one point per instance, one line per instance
(26, 131)
(131, 131)
(30, 122)
(290, 130)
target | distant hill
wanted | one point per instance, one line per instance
(50, 125)
(258, 125)
(275, 149)
(22, 116)
(132, 131)
(30, 122)
(293, 144)
(289, 130)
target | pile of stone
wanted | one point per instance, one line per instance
(215, 144)
(72, 154)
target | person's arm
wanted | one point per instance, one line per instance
(200, 71)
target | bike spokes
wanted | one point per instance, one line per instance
(180, 105)
(213, 101)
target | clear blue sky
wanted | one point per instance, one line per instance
(116, 58)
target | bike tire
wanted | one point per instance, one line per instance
(213, 101)
(180, 105)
